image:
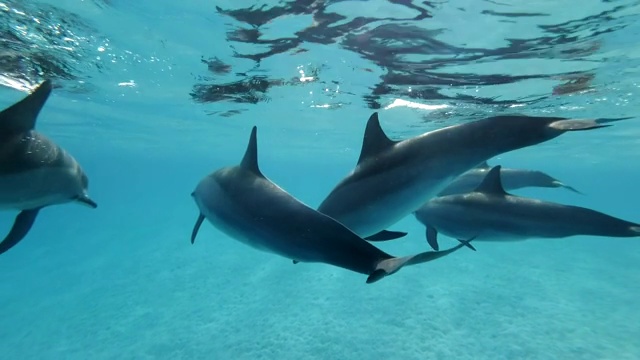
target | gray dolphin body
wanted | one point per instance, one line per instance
(392, 179)
(489, 213)
(242, 203)
(512, 179)
(34, 171)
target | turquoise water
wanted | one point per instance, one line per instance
(123, 281)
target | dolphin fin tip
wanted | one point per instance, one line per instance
(386, 235)
(467, 244)
(377, 275)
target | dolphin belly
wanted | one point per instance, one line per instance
(512, 218)
(37, 188)
(374, 204)
(483, 221)
(268, 232)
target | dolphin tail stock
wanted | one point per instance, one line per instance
(21, 226)
(386, 235)
(392, 265)
(583, 124)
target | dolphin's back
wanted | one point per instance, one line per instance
(31, 150)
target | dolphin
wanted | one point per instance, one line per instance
(512, 179)
(34, 171)
(392, 179)
(245, 205)
(489, 213)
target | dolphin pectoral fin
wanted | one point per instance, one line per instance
(295, 262)
(196, 227)
(432, 238)
(385, 235)
(390, 266)
(21, 226)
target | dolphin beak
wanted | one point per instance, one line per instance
(84, 199)
(563, 185)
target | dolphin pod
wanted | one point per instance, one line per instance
(34, 171)
(392, 178)
(245, 205)
(489, 213)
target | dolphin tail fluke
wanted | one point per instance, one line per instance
(385, 235)
(390, 266)
(467, 243)
(196, 228)
(21, 226)
(610, 120)
(432, 239)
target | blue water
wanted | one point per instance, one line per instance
(123, 281)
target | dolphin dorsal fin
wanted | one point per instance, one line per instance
(375, 140)
(483, 165)
(491, 184)
(21, 116)
(250, 159)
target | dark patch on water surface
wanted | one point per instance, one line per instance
(413, 59)
(403, 51)
(40, 41)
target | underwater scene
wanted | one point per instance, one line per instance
(319, 179)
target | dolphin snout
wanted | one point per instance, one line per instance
(86, 200)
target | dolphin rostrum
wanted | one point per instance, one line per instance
(489, 213)
(393, 178)
(34, 171)
(512, 179)
(245, 205)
